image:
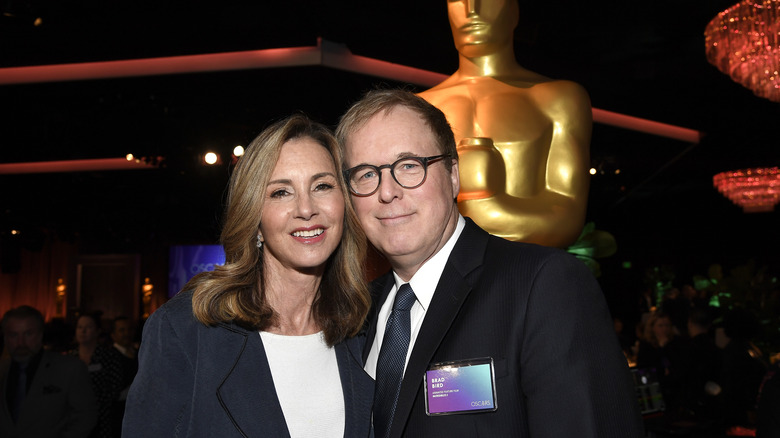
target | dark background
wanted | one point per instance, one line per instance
(644, 59)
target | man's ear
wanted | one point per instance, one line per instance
(455, 178)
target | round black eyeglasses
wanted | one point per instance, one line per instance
(408, 172)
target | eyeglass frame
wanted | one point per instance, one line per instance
(424, 162)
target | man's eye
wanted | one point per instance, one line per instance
(368, 174)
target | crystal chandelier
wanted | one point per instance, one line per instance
(754, 190)
(742, 42)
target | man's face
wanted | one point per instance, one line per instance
(123, 333)
(23, 338)
(408, 226)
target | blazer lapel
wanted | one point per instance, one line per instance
(451, 292)
(357, 386)
(248, 389)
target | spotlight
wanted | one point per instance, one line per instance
(211, 158)
(238, 151)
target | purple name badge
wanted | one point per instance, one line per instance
(460, 387)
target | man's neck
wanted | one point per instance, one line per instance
(406, 269)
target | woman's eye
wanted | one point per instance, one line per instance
(279, 193)
(323, 186)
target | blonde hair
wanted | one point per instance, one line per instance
(649, 332)
(235, 292)
(376, 101)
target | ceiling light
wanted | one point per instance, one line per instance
(755, 190)
(742, 42)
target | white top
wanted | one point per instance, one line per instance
(307, 382)
(423, 283)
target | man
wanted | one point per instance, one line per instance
(524, 138)
(122, 334)
(42, 394)
(532, 315)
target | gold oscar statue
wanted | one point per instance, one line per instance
(523, 139)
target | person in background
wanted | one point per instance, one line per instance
(458, 298)
(742, 367)
(105, 370)
(768, 416)
(42, 394)
(700, 381)
(266, 345)
(122, 335)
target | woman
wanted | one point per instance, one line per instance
(660, 349)
(105, 370)
(293, 273)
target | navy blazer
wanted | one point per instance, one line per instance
(200, 381)
(540, 314)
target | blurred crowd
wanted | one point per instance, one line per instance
(710, 372)
(65, 379)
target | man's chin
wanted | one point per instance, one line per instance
(21, 356)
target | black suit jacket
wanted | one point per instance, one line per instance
(199, 381)
(540, 314)
(59, 403)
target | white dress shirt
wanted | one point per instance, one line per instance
(423, 283)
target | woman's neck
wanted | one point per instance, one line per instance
(86, 350)
(291, 294)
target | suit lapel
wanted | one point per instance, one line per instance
(247, 392)
(380, 289)
(5, 366)
(451, 292)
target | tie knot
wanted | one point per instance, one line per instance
(405, 298)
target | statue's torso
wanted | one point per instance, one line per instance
(511, 116)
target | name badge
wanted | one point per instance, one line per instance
(460, 387)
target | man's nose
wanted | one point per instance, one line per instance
(389, 189)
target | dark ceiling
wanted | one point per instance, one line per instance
(644, 59)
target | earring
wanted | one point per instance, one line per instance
(259, 241)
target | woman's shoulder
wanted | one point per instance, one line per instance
(176, 313)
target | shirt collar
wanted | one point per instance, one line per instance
(424, 281)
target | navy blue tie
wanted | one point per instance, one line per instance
(392, 357)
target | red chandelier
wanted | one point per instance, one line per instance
(754, 190)
(742, 42)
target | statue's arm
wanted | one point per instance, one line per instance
(555, 214)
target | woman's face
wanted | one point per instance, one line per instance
(303, 213)
(480, 27)
(86, 330)
(662, 328)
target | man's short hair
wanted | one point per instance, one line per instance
(376, 101)
(22, 312)
(119, 319)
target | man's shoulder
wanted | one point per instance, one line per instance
(498, 249)
(62, 362)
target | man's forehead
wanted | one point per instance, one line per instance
(390, 136)
(17, 323)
